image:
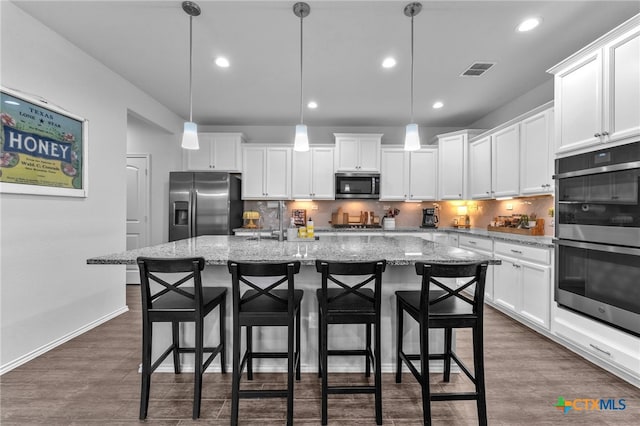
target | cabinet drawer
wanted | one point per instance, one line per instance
(533, 254)
(475, 243)
(599, 340)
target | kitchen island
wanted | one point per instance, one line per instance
(401, 253)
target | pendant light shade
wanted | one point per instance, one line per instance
(190, 135)
(301, 141)
(412, 136)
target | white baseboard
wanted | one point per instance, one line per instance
(5, 368)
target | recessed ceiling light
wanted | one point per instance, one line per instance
(528, 24)
(222, 62)
(388, 63)
(11, 102)
(312, 105)
(437, 105)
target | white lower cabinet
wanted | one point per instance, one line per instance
(482, 246)
(522, 283)
(600, 342)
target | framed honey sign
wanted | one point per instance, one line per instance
(43, 148)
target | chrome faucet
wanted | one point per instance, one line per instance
(280, 231)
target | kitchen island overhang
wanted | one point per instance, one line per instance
(401, 253)
(218, 249)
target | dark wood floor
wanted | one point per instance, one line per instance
(93, 379)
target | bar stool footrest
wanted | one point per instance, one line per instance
(462, 396)
(350, 389)
(268, 393)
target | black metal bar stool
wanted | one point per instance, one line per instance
(350, 303)
(264, 305)
(172, 302)
(447, 308)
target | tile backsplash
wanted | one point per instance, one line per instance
(481, 213)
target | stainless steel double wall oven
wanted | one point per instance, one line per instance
(598, 235)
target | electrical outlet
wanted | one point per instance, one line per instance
(385, 208)
(314, 207)
(509, 206)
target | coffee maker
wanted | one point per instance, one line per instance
(429, 218)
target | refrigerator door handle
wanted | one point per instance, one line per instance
(193, 202)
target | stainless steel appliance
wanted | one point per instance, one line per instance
(357, 185)
(598, 235)
(429, 218)
(203, 203)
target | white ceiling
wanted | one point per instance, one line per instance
(147, 42)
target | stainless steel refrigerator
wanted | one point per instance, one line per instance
(203, 203)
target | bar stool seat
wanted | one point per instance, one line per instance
(349, 302)
(172, 301)
(448, 307)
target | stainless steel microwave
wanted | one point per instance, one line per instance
(357, 185)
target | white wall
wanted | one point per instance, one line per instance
(165, 155)
(47, 291)
(520, 105)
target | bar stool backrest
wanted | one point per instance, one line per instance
(188, 270)
(474, 272)
(279, 274)
(368, 271)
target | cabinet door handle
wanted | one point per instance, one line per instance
(516, 251)
(600, 350)
(460, 195)
(516, 266)
(605, 133)
(472, 242)
(597, 135)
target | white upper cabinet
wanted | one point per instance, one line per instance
(357, 152)
(622, 87)
(394, 174)
(423, 174)
(312, 174)
(597, 91)
(536, 154)
(408, 175)
(218, 152)
(452, 164)
(480, 168)
(515, 158)
(266, 172)
(505, 161)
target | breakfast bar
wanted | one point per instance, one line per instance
(400, 252)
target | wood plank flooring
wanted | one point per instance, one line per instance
(93, 379)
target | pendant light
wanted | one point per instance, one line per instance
(412, 137)
(301, 141)
(190, 135)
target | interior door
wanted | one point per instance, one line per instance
(137, 208)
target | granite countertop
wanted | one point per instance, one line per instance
(540, 241)
(398, 250)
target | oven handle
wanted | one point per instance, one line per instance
(599, 247)
(604, 169)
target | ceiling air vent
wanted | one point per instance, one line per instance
(477, 69)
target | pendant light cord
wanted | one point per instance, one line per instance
(190, 68)
(412, 68)
(301, 73)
